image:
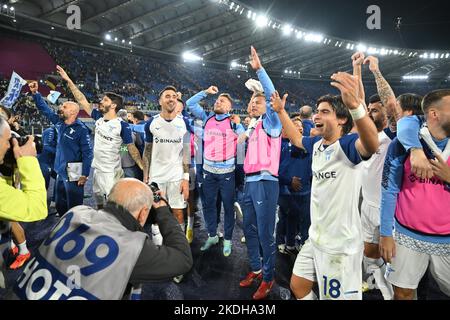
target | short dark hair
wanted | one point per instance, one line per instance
(139, 115)
(297, 118)
(433, 98)
(259, 94)
(171, 88)
(411, 102)
(116, 99)
(228, 96)
(341, 110)
(374, 98)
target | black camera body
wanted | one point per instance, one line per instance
(9, 161)
(155, 188)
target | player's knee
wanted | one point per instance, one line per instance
(403, 294)
(300, 287)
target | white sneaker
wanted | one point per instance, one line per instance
(178, 279)
(220, 234)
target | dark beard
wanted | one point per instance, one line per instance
(104, 110)
(446, 129)
(378, 124)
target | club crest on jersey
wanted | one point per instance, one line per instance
(328, 153)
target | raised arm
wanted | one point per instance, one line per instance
(357, 62)
(193, 105)
(385, 91)
(368, 142)
(289, 128)
(42, 105)
(78, 95)
(271, 121)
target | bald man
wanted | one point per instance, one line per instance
(113, 253)
(306, 113)
(74, 151)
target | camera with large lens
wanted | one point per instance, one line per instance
(155, 188)
(9, 162)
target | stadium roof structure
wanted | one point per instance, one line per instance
(217, 32)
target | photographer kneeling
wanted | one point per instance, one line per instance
(30, 203)
(100, 254)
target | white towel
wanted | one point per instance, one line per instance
(426, 136)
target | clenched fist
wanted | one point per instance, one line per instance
(373, 63)
(358, 59)
(33, 87)
(212, 90)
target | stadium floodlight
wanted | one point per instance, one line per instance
(287, 30)
(261, 21)
(5, 6)
(101, 43)
(231, 5)
(108, 37)
(115, 39)
(415, 77)
(361, 47)
(234, 64)
(447, 55)
(249, 14)
(314, 37)
(285, 71)
(254, 16)
(191, 57)
(123, 41)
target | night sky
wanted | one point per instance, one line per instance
(425, 24)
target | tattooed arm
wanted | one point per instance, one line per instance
(78, 95)
(147, 160)
(184, 186)
(385, 92)
(135, 155)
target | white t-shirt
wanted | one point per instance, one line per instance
(372, 171)
(109, 137)
(168, 138)
(335, 221)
